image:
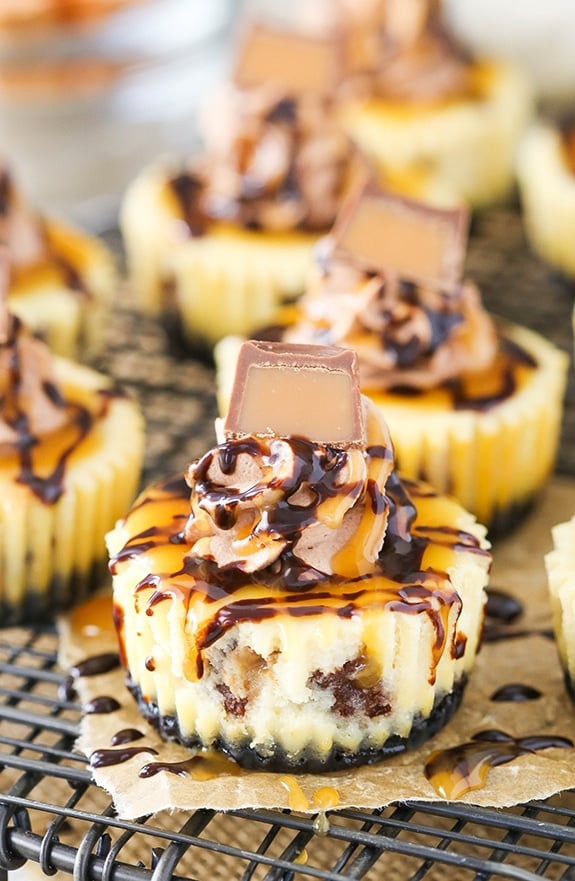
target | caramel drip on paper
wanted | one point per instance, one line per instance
(461, 769)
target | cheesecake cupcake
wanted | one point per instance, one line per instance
(546, 176)
(560, 565)
(294, 602)
(218, 243)
(61, 280)
(71, 446)
(438, 123)
(473, 404)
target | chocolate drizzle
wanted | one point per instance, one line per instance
(516, 692)
(101, 705)
(126, 735)
(400, 581)
(103, 758)
(49, 488)
(96, 665)
(187, 188)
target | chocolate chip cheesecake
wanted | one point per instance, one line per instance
(294, 602)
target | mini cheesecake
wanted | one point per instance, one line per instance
(438, 124)
(62, 279)
(560, 565)
(546, 177)
(72, 447)
(473, 404)
(217, 244)
(296, 604)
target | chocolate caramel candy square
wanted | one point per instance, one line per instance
(402, 238)
(285, 390)
(294, 62)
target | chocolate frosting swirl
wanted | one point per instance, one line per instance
(273, 161)
(31, 403)
(405, 334)
(255, 500)
(21, 230)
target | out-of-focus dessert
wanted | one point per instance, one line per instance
(474, 405)
(546, 176)
(439, 123)
(17, 16)
(61, 280)
(305, 607)
(218, 243)
(560, 564)
(71, 446)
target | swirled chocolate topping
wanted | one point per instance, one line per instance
(317, 495)
(389, 286)
(274, 157)
(21, 230)
(419, 61)
(31, 403)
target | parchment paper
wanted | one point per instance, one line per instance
(530, 659)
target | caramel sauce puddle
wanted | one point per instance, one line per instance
(464, 768)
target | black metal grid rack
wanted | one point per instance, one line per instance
(53, 815)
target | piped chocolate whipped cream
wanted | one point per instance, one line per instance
(389, 286)
(274, 157)
(31, 403)
(419, 60)
(21, 229)
(316, 496)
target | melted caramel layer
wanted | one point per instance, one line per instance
(409, 577)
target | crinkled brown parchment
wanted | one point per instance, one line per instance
(530, 659)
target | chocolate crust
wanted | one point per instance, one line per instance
(306, 763)
(39, 607)
(504, 520)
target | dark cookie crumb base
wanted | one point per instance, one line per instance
(40, 606)
(569, 685)
(306, 763)
(504, 520)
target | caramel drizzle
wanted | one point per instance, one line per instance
(279, 589)
(461, 769)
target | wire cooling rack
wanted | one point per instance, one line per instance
(53, 815)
